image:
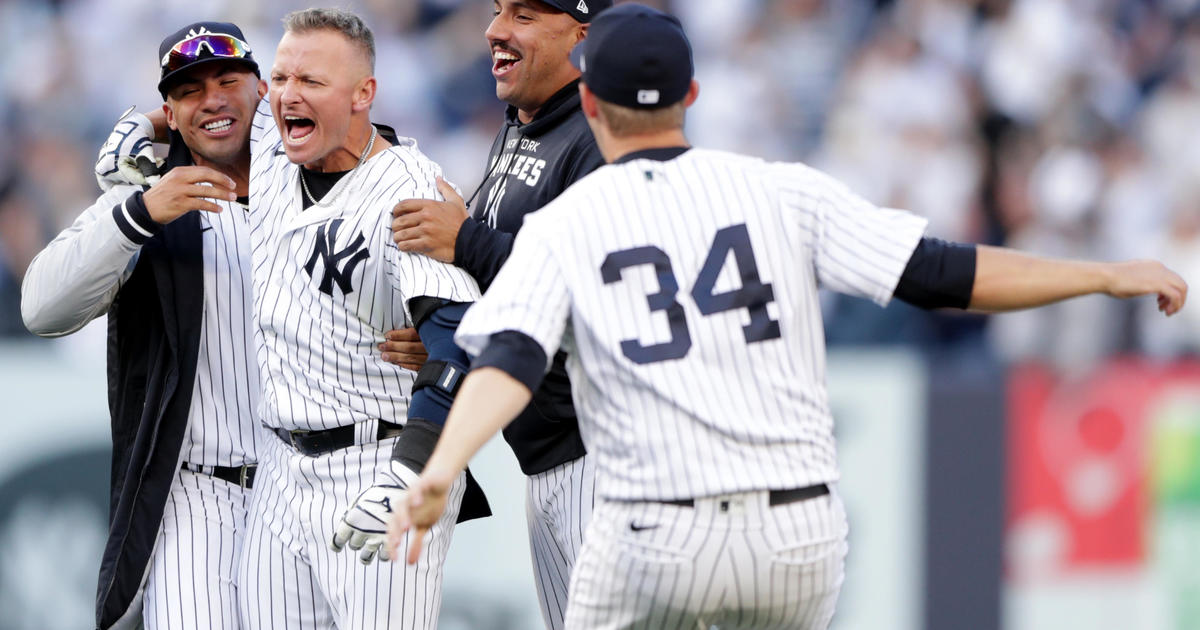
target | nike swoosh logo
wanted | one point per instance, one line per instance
(206, 229)
(641, 528)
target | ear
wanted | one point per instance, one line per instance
(170, 117)
(692, 94)
(581, 33)
(364, 95)
(262, 89)
(587, 102)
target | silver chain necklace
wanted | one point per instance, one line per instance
(362, 158)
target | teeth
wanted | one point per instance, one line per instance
(505, 56)
(220, 125)
(292, 118)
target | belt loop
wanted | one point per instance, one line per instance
(242, 476)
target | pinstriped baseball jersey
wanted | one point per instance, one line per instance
(226, 391)
(329, 282)
(686, 291)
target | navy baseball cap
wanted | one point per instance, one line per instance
(583, 11)
(198, 43)
(636, 56)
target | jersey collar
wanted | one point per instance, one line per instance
(662, 154)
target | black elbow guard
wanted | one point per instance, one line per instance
(938, 275)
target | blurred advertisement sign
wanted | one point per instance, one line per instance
(54, 470)
(1104, 491)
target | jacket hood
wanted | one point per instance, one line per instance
(562, 104)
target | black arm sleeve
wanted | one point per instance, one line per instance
(437, 334)
(481, 251)
(939, 274)
(518, 355)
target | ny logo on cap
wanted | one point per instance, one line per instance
(648, 97)
(582, 8)
(194, 33)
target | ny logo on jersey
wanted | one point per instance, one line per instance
(324, 250)
(491, 211)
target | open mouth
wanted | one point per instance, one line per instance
(503, 62)
(298, 128)
(218, 127)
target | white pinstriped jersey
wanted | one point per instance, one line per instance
(80, 274)
(329, 282)
(222, 429)
(685, 292)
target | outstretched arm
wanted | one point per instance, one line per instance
(1007, 279)
(489, 400)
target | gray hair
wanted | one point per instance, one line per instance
(348, 24)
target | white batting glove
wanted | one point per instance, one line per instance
(127, 156)
(364, 525)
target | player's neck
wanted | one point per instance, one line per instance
(353, 151)
(239, 171)
(613, 148)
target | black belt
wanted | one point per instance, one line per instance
(239, 475)
(312, 443)
(776, 497)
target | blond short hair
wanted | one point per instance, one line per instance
(348, 24)
(626, 121)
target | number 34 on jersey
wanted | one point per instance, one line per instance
(753, 295)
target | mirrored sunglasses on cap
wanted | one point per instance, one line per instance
(214, 44)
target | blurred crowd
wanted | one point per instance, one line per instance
(1061, 127)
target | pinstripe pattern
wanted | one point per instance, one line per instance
(319, 320)
(558, 506)
(318, 353)
(289, 577)
(685, 292)
(730, 416)
(191, 579)
(748, 566)
(225, 393)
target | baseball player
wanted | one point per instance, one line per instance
(169, 264)
(345, 429)
(683, 283)
(543, 148)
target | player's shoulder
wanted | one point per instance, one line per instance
(786, 175)
(405, 159)
(743, 162)
(406, 150)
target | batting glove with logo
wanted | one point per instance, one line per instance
(364, 525)
(127, 156)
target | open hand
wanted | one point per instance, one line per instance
(187, 188)
(429, 226)
(424, 505)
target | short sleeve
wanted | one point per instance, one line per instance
(415, 275)
(529, 295)
(858, 248)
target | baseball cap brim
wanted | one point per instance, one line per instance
(172, 78)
